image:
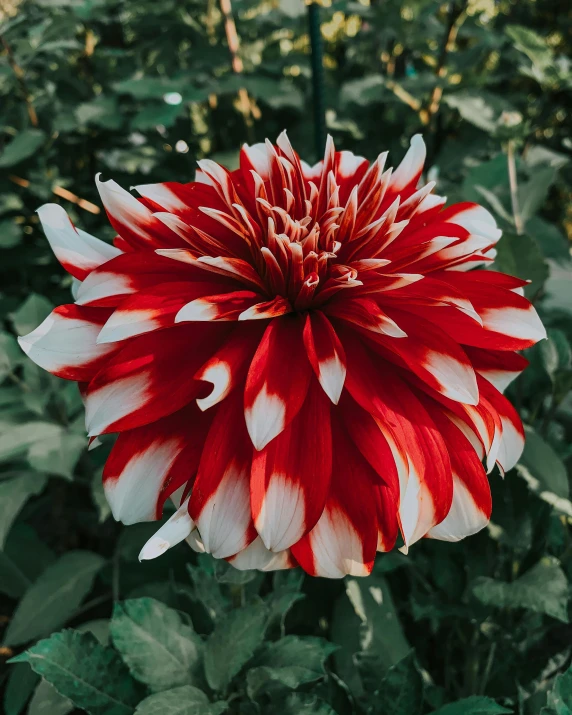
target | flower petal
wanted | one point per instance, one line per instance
(220, 500)
(275, 390)
(77, 251)
(66, 345)
(325, 353)
(289, 482)
(344, 540)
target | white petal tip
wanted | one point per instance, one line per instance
(154, 548)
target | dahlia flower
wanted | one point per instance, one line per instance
(307, 360)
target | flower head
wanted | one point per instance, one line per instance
(306, 359)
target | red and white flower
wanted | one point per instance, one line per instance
(299, 356)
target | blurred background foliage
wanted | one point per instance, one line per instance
(141, 89)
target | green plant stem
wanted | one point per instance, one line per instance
(317, 62)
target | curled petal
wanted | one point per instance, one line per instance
(77, 251)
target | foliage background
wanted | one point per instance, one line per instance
(139, 90)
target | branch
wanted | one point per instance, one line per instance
(245, 105)
(456, 17)
(19, 74)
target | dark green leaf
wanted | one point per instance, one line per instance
(160, 649)
(520, 256)
(289, 662)
(231, 645)
(400, 692)
(53, 598)
(92, 676)
(22, 147)
(475, 705)
(543, 589)
(21, 683)
(544, 465)
(14, 493)
(185, 700)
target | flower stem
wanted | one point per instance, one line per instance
(317, 61)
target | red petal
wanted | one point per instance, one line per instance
(66, 345)
(289, 482)
(277, 381)
(344, 540)
(149, 463)
(326, 354)
(220, 500)
(149, 378)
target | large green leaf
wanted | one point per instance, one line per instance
(22, 147)
(47, 701)
(233, 642)
(288, 663)
(475, 705)
(400, 692)
(185, 700)
(160, 649)
(542, 463)
(92, 676)
(14, 493)
(560, 695)
(521, 256)
(53, 598)
(543, 589)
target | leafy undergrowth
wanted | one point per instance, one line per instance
(140, 90)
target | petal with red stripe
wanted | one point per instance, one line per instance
(220, 500)
(277, 381)
(66, 345)
(290, 479)
(472, 504)
(227, 368)
(149, 463)
(77, 251)
(149, 378)
(344, 540)
(325, 353)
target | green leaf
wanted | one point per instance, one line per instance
(98, 497)
(22, 147)
(232, 643)
(31, 313)
(481, 108)
(101, 112)
(156, 115)
(560, 696)
(542, 589)
(179, 701)
(21, 683)
(400, 692)
(159, 648)
(544, 465)
(92, 676)
(475, 705)
(53, 598)
(17, 440)
(10, 234)
(303, 704)
(531, 44)
(555, 352)
(14, 493)
(533, 193)
(226, 573)
(58, 455)
(24, 558)
(521, 256)
(11, 354)
(381, 634)
(47, 701)
(289, 662)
